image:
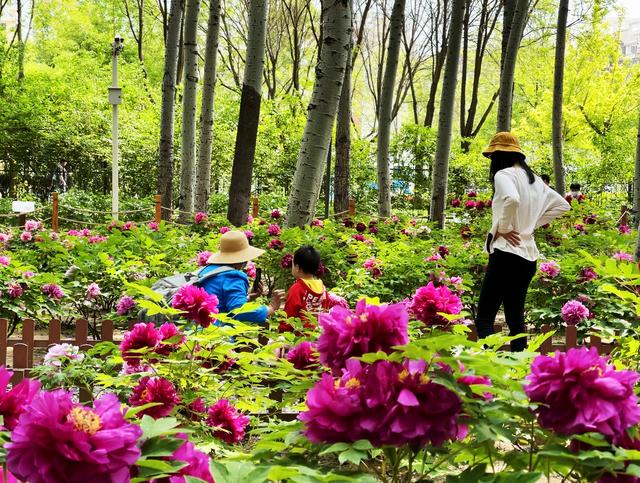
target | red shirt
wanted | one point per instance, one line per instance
(306, 296)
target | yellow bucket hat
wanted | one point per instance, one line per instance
(235, 248)
(503, 141)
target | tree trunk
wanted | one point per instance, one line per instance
(336, 40)
(242, 172)
(445, 117)
(19, 12)
(558, 87)
(189, 111)
(181, 52)
(636, 182)
(509, 65)
(203, 174)
(165, 157)
(343, 143)
(386, 105)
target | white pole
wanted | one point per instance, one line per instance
(115, 99)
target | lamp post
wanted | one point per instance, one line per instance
(115, 99)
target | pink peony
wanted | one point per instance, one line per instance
(170, 339)
(57, 440)
(14, 401)
(97, 239)
(337, 301)
(429, 301)
(274, 230)
(28, 274)
(624, 229)
(229, 424)
(128, 226)
(153, 225)
(224, 230)
(4, 260)
(196, 303)
(587, 274)
(578, 392)
(141, 336)
(359, 237)
(93, 290)
(275, 214)
(303, 356)
(155, 390)
(15, 290)
(275, 244)
(433, 258)
(200, 218)
(26, 236)
(202, 258)
(249, 219)
(371, 328)
(573, 312)
(198, 463)
(53, 291)
(251, 270)
(579, 227)
(317, 222)
(551, 269)
(249, 234)
(286, 261)
(32, 225)
(623, 256)
(125, 305)
(472, 380)
(5, 237)
(470, 204)
(58, 353)
(372, 265)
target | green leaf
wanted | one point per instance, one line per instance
(352, 455)
(158, 427)
(146, 291)
(159, 446)
(335, 448)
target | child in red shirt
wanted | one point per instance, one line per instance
(308, 294)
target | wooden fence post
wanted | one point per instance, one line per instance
(255, 207)
(158, 208)
(352, 207)
(624, 216)
(28, 337)
(54, 212)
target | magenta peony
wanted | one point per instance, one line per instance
(429, 301)
(170, 338)
(198, 463)
(14, 401)
(587, 274)
(125, 305)
(624, 229)
(274, 230)
(229, 424)
(249, 234)
(202, 258)
(32, 225)
(139, 337)
(573, 312)
(249, 219)
(153, 225)
(197, 304)
(455, 203)
(317, 222)
(303, 356)
(155, 390)
(251, 270)
(53, 291)
(275, 214)
(26, 236)
(470, 204)
(275, 244)
(336, 300)
(57, 440)
(15, 290)
(578, 392)
(550, 269)
(5, 261)
(224, 230)
(97, 239)
(359, 237)
(472, 194)
(371, 328)
(128, 226)
(200, 217)
(93, 290)
(286, 261)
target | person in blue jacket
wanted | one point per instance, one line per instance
(225, 278)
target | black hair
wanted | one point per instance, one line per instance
(546, 178)
(502, 159)
(575, 187)
(307, 258)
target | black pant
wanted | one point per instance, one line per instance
(506, 282)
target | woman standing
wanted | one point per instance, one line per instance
(521, 203)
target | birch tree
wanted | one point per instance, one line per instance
(343, 142)
(517, 25)
(189, 110)
(203, 171)
(558, 90)
(165, 158)
(386, 106)
(242, 171)
(336, 35)
(445, 116)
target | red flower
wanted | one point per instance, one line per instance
(230, 424)
(197, 303)
(155, 390)
(14, 401)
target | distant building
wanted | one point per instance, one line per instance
(9, 19)
(630, 40)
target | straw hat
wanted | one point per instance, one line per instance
(235, 248)
(503, 141)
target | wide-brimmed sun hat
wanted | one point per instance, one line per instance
(235, 248)
(503, 141)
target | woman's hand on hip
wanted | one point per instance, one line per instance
(512, 237)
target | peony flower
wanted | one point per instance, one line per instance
(197, 463)
(15, 290)
(318, 223)
(249, 234)
(373, 230)
(250, 269)
(578, 392)
(125, 305)
(32, 225)
(154, 390)
(97, 239)
(348, 223)
(429, 301)
(53, 291)
(200, 217)
(472, 380)
(5, 261)
(579, 227)
(229, 424)
(275, 244)
(322, 270)
(480, 205)
(59, 352)
(286, 261)
(359, 237)
(5, 237)
(371, 328)
(573, 312)
(466, 233)
(14, 401)
(337, 301)
(472, 194)
(128, 226)
(455, 203)
(624, 229)
(141, 336)
(153, 225)
(623, 256)
(303, 356)
(166, 332)
(590, 219)
(224, 230)
(372, 265)
(275, 214)
(197, 303)
(93, 290)
(274, 230)
(361, 227)
(202, 258)
(28, 274)
(57, 440)
(26, 236)
(551, 269)
(433, 258)
(587, 274)
(443, 251)
(249, 219)
(456, 280)
(470, 204)
(74, 233)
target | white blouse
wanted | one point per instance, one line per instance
(523, 207)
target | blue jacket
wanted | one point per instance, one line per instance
(232, 288)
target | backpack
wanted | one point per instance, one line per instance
(169, 286)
